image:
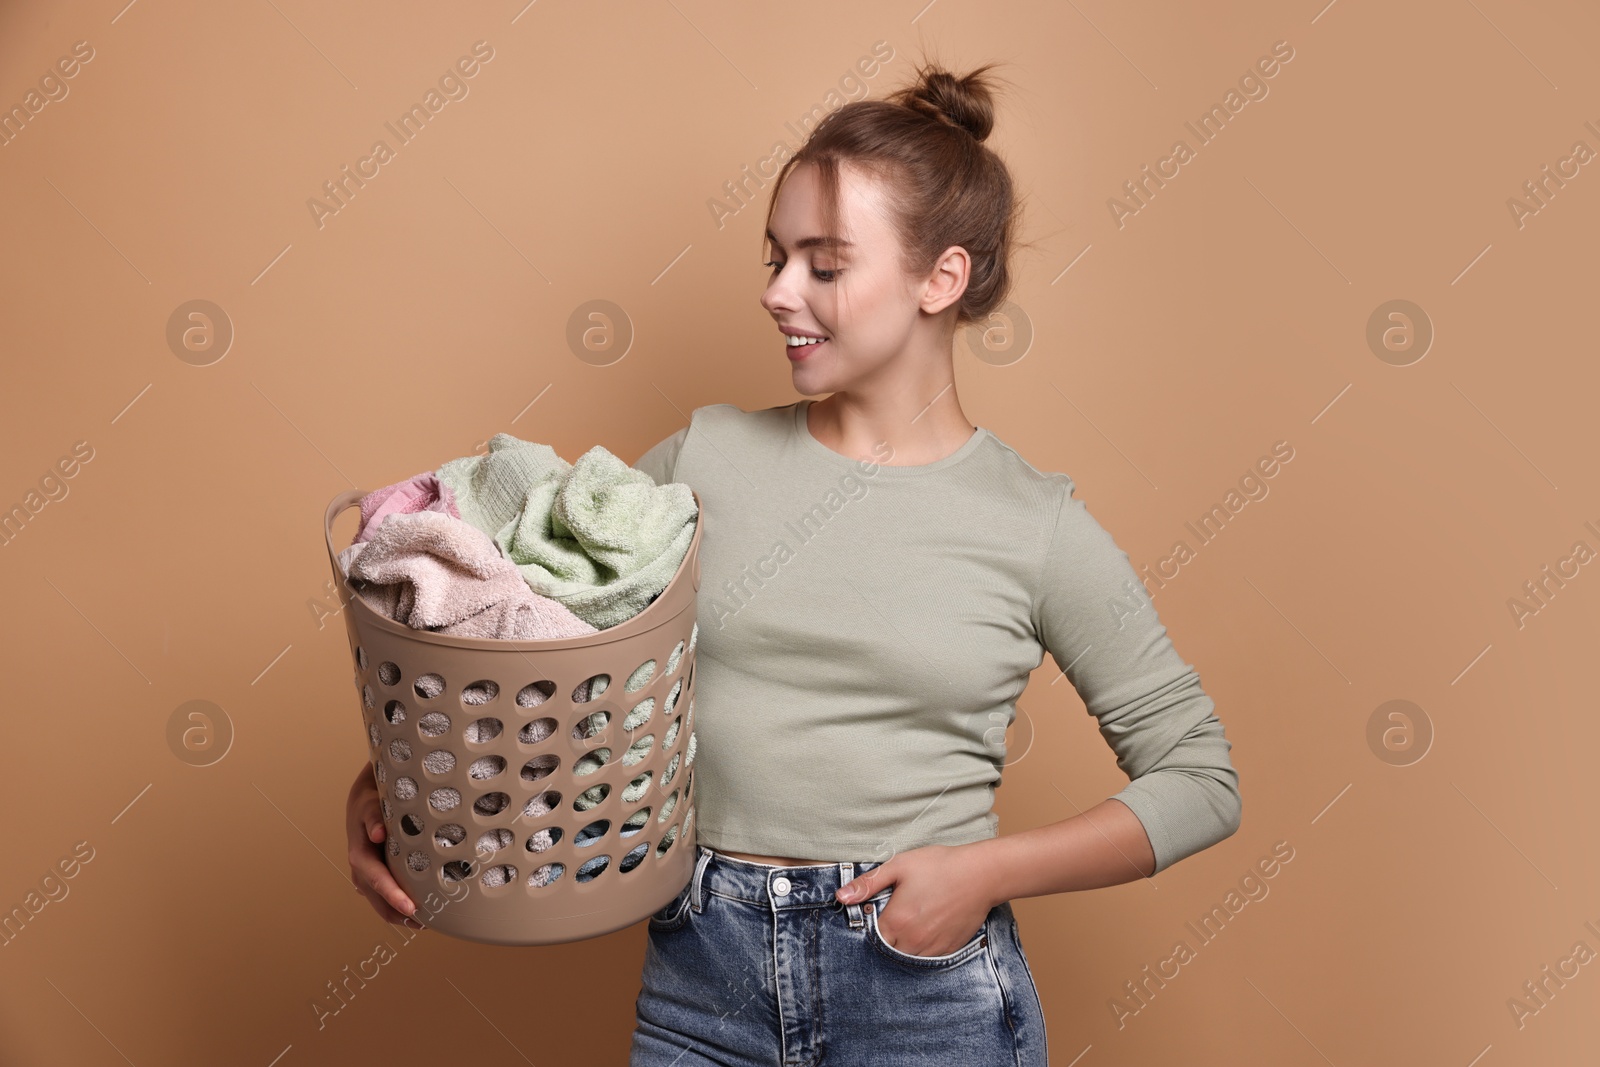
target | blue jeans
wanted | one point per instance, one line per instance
(757, 965)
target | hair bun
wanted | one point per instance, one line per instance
(965, 102)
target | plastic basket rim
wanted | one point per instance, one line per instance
(649, 619)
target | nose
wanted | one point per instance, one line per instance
(779, 295)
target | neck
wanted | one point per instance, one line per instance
(922, 424)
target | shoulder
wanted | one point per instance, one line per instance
(714, 417)
(1045, 494)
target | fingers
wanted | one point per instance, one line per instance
(386, 911)
(858, 888)
(375, 873)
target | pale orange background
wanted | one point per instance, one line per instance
(1230, 313)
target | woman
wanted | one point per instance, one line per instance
(882, 579)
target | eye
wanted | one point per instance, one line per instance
(819, 273)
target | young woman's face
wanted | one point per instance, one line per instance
(855, 294)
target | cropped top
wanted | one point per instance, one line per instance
(865, 631)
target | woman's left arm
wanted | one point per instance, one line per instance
(1108, 844)
(1100, 626)
(1093, 614)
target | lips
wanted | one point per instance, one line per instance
(799, 352)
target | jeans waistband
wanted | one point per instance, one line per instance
(802, 886)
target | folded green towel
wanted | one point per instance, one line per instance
(596, 535)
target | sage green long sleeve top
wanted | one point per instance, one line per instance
(865, 631)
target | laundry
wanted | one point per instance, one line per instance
(432, 571)
(491, 490)
(597, 535)
(421, 492)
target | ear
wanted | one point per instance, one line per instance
(947, 282)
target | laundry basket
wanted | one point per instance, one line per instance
(518, 808)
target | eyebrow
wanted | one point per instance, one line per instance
(814, 242)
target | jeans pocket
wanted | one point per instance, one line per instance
(676, 911)
(924, 963)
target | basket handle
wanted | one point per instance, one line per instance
(348, 498)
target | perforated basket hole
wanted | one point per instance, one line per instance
(482, 731)
(634, 858)
(399, 750)
(439, 761)
(636, 822)
(590, 688)
(449, 835)
(694, 634)
(417, 860)
(592, 869)
(672, 697)
(428, 686)
(444, 798)
(688, 759)
(672, 660)
(591, 725)
(688, 784)
(666, 842)
(541, 805)
(689, 818)
(366, 697)
(486, 767)
(591, 761)
(538, 767)
(672, 769)
(404, 789)
(457, 870)
(535, 693)
(383, 775)
(501, 874)
(491, 803)
(373, 735)
(536, 731)
(395, 712)
(639, 715)
(591, 797)
(640, 676)
(667, 806)
(592, 833)
(672, 733)
(411, 824)
(639, 750)
(491, 841)
(388, 812)
(544, 839)
(394, 847)
(479, 693)
(388, 673)
(546, 874)
(361, 657)
(434, 724)
(638, 787)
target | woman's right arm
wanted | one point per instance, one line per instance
(366, 833)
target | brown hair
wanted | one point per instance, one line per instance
(926, 142)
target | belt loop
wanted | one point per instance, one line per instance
(847, 871)
(696, 897)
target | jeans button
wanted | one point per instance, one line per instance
(780, 887)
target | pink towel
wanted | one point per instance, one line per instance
(431, 571)
(422, 493)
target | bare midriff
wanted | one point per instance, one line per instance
(774, 861)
